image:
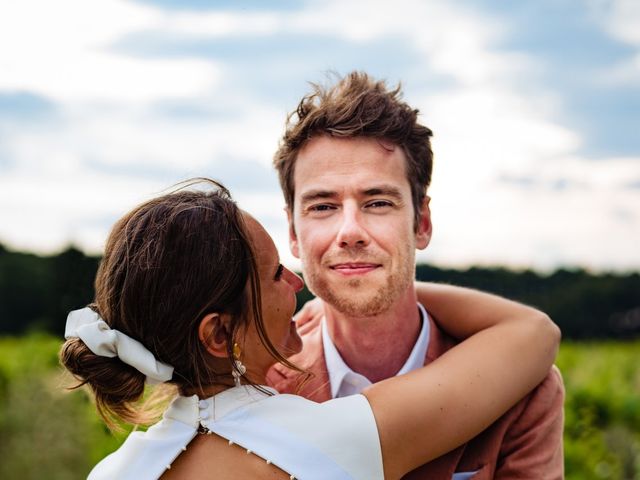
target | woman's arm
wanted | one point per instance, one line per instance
(430, 411)
(459, 312)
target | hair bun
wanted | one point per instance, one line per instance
(116, 385)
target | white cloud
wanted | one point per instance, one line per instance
(221, 24)
(593, 224)
(625, 73)
(621, 19)
(486, 131)
(453, 40)
(61, 50)
(42, 213)
(137, 139)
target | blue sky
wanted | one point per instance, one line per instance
(535, 108)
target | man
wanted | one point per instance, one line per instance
(354, 166)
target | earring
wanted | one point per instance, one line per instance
(239, 369)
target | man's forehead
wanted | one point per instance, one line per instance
(339, 156)
(383, 143)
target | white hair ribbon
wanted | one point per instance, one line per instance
(102, 340)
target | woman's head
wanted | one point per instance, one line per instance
(168, 264)
(278, 286)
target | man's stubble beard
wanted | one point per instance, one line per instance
(349, 300)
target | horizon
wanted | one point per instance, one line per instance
(459, 268)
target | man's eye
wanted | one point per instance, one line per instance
(279, 272)
(380, 204)
(321, 208)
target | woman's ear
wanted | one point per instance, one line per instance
(213, 333)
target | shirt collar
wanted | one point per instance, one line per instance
(340, 373)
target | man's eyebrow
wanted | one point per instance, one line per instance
(386, 190)
(313, 195)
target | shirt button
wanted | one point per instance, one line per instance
(204, 415)
(202, 404)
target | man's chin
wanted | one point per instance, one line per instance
(360, 306)
(358, 297)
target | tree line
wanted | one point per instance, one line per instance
(37, 292)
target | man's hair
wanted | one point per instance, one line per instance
(357, 106)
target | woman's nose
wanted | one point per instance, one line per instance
(294, 280)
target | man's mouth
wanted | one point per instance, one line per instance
(354, 268)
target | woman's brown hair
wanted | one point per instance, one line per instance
(167, 264)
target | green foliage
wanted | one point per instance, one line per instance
(44, 428)
(585, 306)
(37, 293)
(602, 410)
(45, 431)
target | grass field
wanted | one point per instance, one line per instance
(46, 432)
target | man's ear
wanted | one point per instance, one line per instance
(424, 230)
(213, 332)
(293, 238)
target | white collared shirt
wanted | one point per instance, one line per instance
(345, 382)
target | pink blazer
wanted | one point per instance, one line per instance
(525, 443)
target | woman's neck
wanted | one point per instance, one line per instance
(207, 391)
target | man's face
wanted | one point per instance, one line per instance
(353, 223)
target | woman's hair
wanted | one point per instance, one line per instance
(357, 106)
(167, 264)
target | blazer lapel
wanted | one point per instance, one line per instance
(439, 342)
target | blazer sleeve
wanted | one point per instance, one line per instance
(532, 446)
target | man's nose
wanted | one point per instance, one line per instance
(352, 232)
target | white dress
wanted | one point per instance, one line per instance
(337, 439)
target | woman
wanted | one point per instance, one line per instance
(191, 293)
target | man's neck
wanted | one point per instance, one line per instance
(378, 346)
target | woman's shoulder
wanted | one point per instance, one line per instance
(286, 408)
(304, 438)
(146, 455)
(340, 432)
